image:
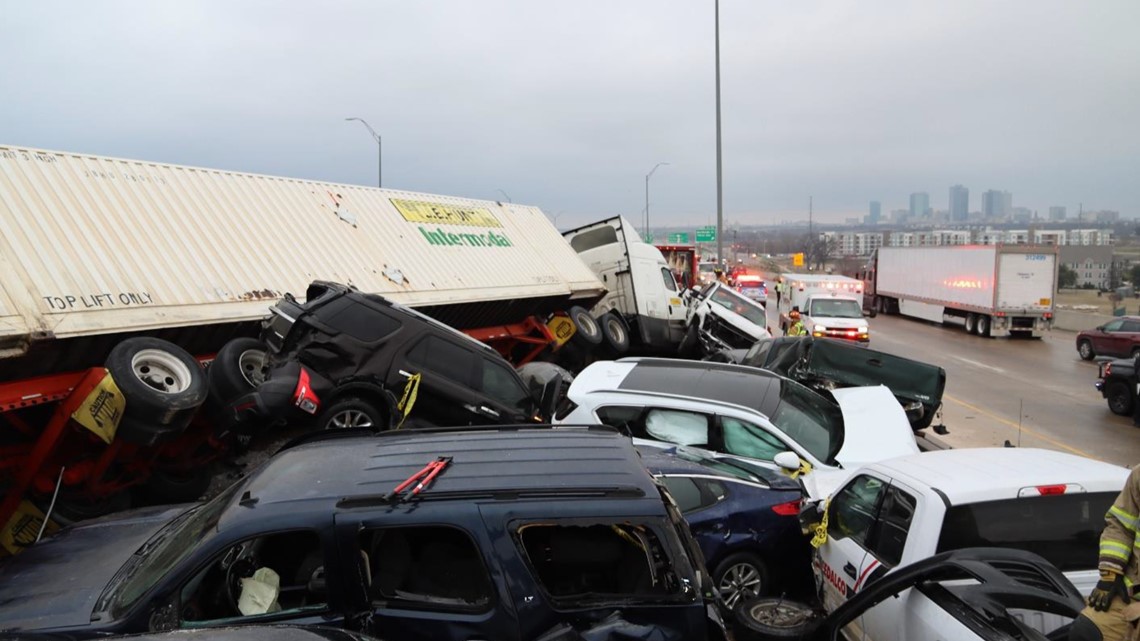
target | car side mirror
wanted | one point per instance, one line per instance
(788, 461)
(548, 398)
(811, 514)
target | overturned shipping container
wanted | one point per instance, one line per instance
(96, 248)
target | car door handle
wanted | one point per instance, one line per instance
(406, 374)
(489, 411)
(850, 570)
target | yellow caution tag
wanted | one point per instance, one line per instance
(819, 530)
(22, 528)
(804, 468)
(562, 328)
(411, 391)
(102, 409)
(1045, 302)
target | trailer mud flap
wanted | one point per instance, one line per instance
(562, 328)
(102, 409)
(21, 530)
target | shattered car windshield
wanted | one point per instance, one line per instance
(738, 304)
(810, 420)
(166, 551)
(836, 308)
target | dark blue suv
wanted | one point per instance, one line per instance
(505, 533)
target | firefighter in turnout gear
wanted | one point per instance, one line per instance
(1112, 614)
(797, 327)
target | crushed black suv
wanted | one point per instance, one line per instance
(827, 363)
(1118, 382)
(505, 533)
(344, 358)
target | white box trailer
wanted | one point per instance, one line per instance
(993, 290)
(96, 247)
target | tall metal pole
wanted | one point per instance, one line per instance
(719, 183)
(646, 231)
(379, 149)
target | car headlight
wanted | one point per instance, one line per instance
(862, 329)
(820, 328)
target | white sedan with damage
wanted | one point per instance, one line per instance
(743, 412)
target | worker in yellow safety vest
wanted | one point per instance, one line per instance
(797, 327)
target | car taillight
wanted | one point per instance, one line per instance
(791, 508)
(1107, 370)
(303, 396)
(1049, 490)
(851, 333)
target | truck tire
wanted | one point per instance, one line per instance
(148, 432)
(983, 326)
(352, 411)
(971, 323)
(587, 330)
(1085, 350)
(159, 380)
(239, 367)
(616, 332)
(1119, 397)
(164, 486)
(773, 618)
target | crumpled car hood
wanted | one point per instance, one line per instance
(875, 426)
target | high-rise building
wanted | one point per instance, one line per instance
(997, 204)
(1056, 213)
(876, 212)
(959, 204)
(919, 205)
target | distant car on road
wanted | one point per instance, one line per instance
(1117, 384)
(751, 286)
(1119, 337)
(744, 517)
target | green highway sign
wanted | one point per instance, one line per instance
(679, 239)
(706, 234)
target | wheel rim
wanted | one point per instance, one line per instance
(1086, 349)
(253, 366)
(740, 581)
(587, 325)
(350, 418)
(780, 614)
(617, 331)
(161, 371)
(983, 325)
(1117, 399)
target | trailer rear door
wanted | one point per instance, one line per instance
(1025, 281)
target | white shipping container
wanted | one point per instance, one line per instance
(965, 277)
(94, 245)
(960, 276)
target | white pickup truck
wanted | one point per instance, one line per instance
(897, 512)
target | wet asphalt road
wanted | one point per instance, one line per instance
(990, 382)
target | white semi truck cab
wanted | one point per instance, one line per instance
(830, 306)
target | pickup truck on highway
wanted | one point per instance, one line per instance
(894, 513)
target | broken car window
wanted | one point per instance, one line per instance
(853, 510)
(745, 439)
(584, 563)
(432, 566)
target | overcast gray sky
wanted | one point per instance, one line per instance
(567, 105)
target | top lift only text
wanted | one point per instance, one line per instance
(95, 301)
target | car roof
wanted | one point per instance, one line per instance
(972, 475)
(725, 382)
(484, 461)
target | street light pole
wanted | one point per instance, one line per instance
(647, 195)
(379, 148)
(719, 183)
(506, 195)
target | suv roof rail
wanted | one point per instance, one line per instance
(355, 432)
(374, 500)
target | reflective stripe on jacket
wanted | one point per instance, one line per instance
(1120, 537)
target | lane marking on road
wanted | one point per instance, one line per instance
(981, 365)
(1026, 430)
